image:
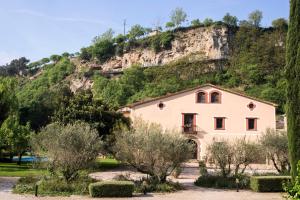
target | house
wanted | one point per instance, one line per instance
(207, 113)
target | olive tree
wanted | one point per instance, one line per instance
(275, 145)
(222, 155)
(233, 156)
(68, 148)
(151, 150)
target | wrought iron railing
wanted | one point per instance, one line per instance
(190, 129)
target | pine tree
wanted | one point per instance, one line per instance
(293, 80)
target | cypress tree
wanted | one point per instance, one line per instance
(293, 84)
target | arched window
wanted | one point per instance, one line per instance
(201, 97)
(215, 97)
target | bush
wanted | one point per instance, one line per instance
(149, 185)
(217, 181)
(268, 183)
(293, 189)
(111, 189)
(54, 185)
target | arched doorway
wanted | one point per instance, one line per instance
(195, 149)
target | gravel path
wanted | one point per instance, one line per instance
(187, 178)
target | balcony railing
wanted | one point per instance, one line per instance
(190, 129)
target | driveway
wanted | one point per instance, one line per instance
(187, 178)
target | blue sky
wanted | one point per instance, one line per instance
(40, 28)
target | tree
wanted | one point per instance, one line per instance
(293, 89)
(150, 150)
(280, 23)
(178, 16)
(136, 31)
(275, 145)
(170, 25)
(255, 18)
(15, 136)
(84, 107)
(238, 154)
(230, 20)
(222, 154)
(208, 22)
(8, 100)
(107, 35)
(103, 50)
(55, 58)
(85, 54)
(196, 22)
(68, 148)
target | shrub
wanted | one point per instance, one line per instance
(293, 189)
(54, 185)
(111, 189)
(217, 181)
(202, 168)
(150, 185)
(268, 183)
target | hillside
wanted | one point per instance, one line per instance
(120, 71)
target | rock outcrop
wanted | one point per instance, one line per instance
(205, 43)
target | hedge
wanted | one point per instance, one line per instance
(111, 189)
(216, 181)
(268, 183)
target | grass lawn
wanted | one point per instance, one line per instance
(25, 169)
(106, 163)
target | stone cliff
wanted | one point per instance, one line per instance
(204, 43)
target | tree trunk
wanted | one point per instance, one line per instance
(20, 158)
(293, 87)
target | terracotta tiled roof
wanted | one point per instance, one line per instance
(199, 87)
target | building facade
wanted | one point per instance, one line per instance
(207, 113)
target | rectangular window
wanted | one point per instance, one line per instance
(251, 124)
(219, 123)
(188, 122)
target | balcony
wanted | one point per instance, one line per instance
(190, 129)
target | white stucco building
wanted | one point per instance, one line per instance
(207, 113)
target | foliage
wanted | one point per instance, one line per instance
(268, 183)
(202, 168)
(196, 22)
(255, 18)
(275, 144)
(54, 185)
(293, 79)
(217, 181)
(222, 153)
(111, 189)
(239, 154)
(136, 31)
(39, 98)
(68, 148)
(150, 150)
(170, 25)
(15, 67)
(55, 58)
(208, 22)
(103, 50)
(162, 41)
(14, 136)
(85, 54)
(293, 189)
(8, 103)
(82, 106)
(178, 16)
(280, 23)
(106, 36)
(230, 20)
(148, 185)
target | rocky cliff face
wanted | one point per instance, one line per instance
(203, 43)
